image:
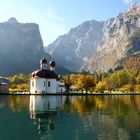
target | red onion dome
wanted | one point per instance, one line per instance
(33, 74)
(52, 63)
(45, 74)
(43, 61)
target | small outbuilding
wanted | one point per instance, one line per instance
(4, 85)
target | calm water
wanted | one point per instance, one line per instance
(69, 118)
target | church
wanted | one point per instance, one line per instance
(45, 80)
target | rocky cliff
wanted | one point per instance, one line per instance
(74, 49)
(21, 48)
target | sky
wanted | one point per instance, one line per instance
(57, 17)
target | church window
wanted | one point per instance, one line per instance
(32, 83)
(44, 83)
(49, 84)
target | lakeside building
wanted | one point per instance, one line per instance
(4, 85)
(46, 80)
(73, 89)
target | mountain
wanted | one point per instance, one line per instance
(21, 48)
(121, 41)
(100, 46)
(74, 49)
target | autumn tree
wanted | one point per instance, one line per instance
(19, 79)
(123, 78)
(138, 79)
(109, 84)
(20, 82)
(100, 87)
(85, 82)
(137, 88)
(23, 87)
(128, 88)
(68, 82)
(132, 76)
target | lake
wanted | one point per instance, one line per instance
(69, 117)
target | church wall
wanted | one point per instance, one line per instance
(38, 85)
(43, 85)
(51, 86)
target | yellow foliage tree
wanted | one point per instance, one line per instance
(85, 82)
(100, 87)
(128, 88)
(23, 87)
(19, 82)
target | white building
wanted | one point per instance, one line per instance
(73, 89)
(61, 86)
(44, 80)
(4, 85)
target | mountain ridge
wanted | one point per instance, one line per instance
(73, 42)
(99, 46)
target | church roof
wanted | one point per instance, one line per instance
(45, 74)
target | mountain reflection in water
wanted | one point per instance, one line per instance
(77, 117)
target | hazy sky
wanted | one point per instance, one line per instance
(56, 17)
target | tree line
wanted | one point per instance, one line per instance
(127, 81)
(19, 82)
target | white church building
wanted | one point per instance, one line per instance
(45, 80)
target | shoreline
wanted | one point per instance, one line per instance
(71, 94)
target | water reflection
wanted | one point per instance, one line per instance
(79, 117)
(103, 118)
(49, 105)
(43, 109)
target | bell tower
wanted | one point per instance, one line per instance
(43, 63)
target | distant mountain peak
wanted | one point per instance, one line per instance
(133, 5)
(21, 48)
(12, 20)
(134, 8)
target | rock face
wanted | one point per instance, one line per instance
(21, 47)
(74, 49)
(99, 46)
